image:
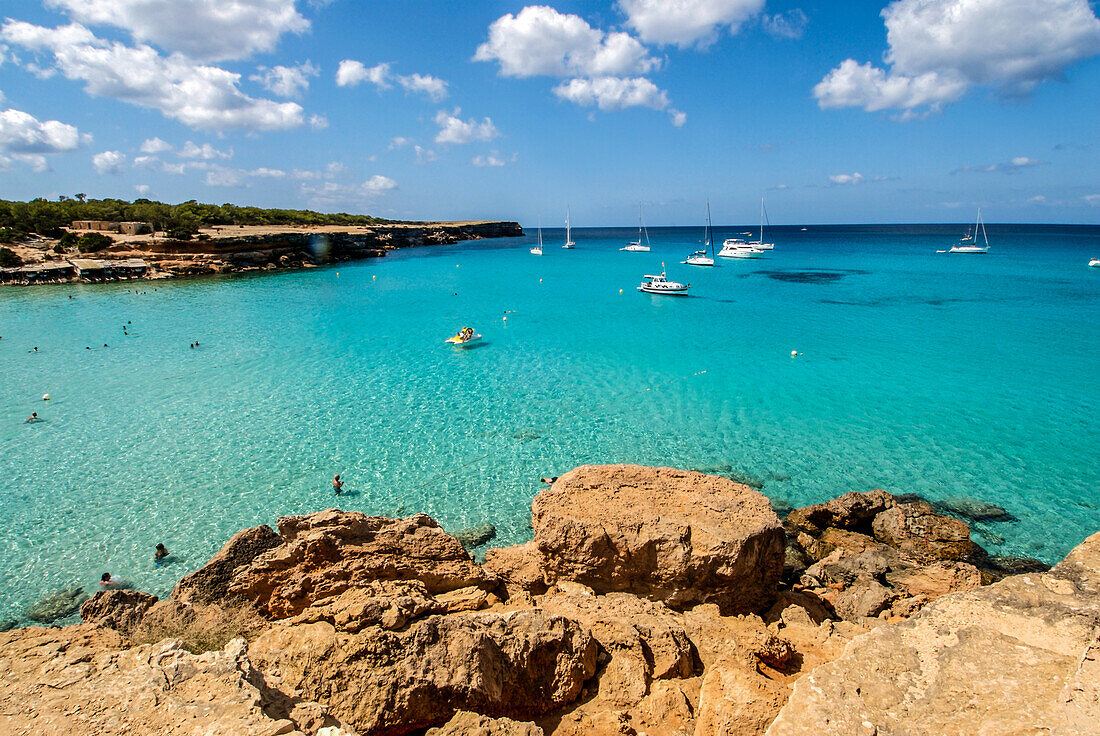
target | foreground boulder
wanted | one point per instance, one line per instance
(519, 665)
(82, 681)
(342, 566)
(1019, 656)
(674, 536)
(121, 610)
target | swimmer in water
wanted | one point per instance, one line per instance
(160, 554)
(337, 484)
(108, 581)
(32, 418)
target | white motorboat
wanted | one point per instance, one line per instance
(569, 244)
(537, 250)
(1094, 263)
(969, 242)
(658, 284)
(738, 248)
(704, 257)
(636, 246)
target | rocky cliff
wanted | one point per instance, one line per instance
(651, 600)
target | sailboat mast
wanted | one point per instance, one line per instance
(984, 234)
(567, 231)
(708, 235)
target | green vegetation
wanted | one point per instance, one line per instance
(46, 217)
(8, 258)
(91, 242)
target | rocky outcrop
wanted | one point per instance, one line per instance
(346, 568)
(1019, 656)
(466, 723)
(81, 681)
(519, 664)
(675, 536)
(121, 610)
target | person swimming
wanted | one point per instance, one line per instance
(108, 580)
(160, 554)
(337, 484)
(32, 418)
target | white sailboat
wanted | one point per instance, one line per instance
(537, 250)
(569, 244)
(763, 217)
(635, 246)
(969, 242)
(704, 257)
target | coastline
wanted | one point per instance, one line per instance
(236, 249)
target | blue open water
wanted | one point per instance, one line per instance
(920, 373)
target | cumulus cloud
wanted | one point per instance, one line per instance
(286, 81)
(109, 162)
(493, 159)
(318, 122)
(613, 93)
(433, 87)
(220, 177)
(399, 141)
(790, 25)
(1092, 199)
(541, 41)
(205, 30)
(206, 152)
(196, 95)
(424, 155)
(141, 189)
(686, 23)
(332, 194)
(155, 145)
(855, 178)
(1011, 166)
(940, 48)
(351, 73)
(455, 130)
(22, 133)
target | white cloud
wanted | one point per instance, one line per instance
(109, 162)
(146, 162)
(940, 48)
(541, 41)
(790, 25)
(286, 81)
(266, 173)
(223, 178)
(196, 95)
(1092, 199)
(318, 122)
(493, 159)
(856, 178)
(206, 152)
(206, 30)
(613, 93)
(331, 194)
(141, 189)
(433, 87)
(351, 73)
(678, 117)
(1007, 167)
(687, 22)
(398, 142)
(22, 133)
(455, 130)
(155, 145)
(424, 155)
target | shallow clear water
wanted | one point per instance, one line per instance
(920, 372)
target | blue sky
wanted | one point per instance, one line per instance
(911, 111)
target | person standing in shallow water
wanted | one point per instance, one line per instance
(337, 484)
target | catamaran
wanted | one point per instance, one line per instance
(569, 244)
(537, 250)
(969, 242)
(635, 246)
(704, 257)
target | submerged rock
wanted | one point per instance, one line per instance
(748, 479)
(475, 536)
(675, 536)
(973, 509)
(57, 605)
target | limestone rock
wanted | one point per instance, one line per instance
(475, 536)
(518, 665)
(851, 511)
(466, 723)
(210, 583)
(936, 579)
(675, 536)
(80, 681)
(914, 528)
(1021, 656)
(518, 567)
(121, 610)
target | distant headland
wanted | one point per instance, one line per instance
(81, 239)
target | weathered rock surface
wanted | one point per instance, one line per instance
(916, 529)
(1021, 656)
(121, 610)
(519, 568)
(518, 664)
(81, 681)
(466, 723)
(343, 567)
(675, 536)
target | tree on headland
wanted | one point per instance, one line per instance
(92, 242)
(47, 217)
(9, 259)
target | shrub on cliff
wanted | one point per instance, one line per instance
(68, 240)
(8, 258)
(180, 233)
(92, 242)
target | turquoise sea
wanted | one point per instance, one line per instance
(942, 375)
